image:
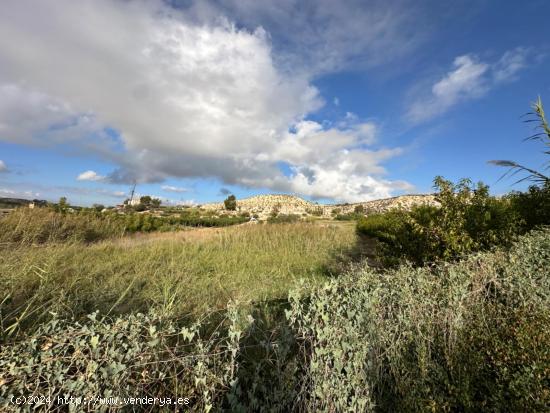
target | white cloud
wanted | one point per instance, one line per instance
(11, 193)
(111, 194)
(189, 99)
(465, 81)
(3, 167)
(170, 188)
(90, 176)
(29, 116)
(334, 163)
(323, 36)
(508, 66)
(469, 79)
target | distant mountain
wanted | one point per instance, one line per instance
(263, 205)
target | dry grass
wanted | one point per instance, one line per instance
(189, 271)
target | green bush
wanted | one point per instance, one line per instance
(351, 216)
(230, 203)
(470, 336)
(533, 206)
(468, 220)
(132, 356)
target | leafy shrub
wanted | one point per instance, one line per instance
(468, 219)
(230, 203)
(470, 336)
(359, 209)
(138, 354)
(351, 216)
(149, 223)
(533, 206)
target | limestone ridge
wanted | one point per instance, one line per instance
(264, 205)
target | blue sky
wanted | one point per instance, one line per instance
(333, 101)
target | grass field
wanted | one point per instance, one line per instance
(183, 272)
(218, 315)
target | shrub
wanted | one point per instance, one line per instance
(132, 356)
(359, 209)
(468, 219)
(469, 336)
(230, 203)
(533, 206)
(352, 216)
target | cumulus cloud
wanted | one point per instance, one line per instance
(3, 167)
(170, 188)
(336, 162)
(90, 176)
(469, 79)
(323, 36)
(188, 97)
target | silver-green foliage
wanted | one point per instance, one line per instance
(470, 336)
(136, 355)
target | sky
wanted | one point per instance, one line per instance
(342, 101)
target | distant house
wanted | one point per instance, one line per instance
(32, 205)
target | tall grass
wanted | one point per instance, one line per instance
(192, 271)
(470, 336)
(42, 225)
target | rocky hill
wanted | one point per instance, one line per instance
(264, 205)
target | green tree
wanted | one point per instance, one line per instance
(359, 209)
(230, 203)
(62, 205)
(145, 200)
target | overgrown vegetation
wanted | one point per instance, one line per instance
(56, 224)
(43, 225)
(192, 271)
(201, 313)
(467, 220)
(149, 223)
(471, 336)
